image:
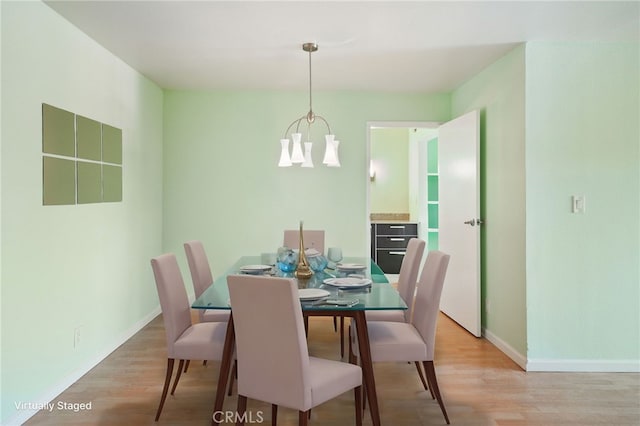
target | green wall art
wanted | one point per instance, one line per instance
(81, 159)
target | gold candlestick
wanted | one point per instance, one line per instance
(303, 270)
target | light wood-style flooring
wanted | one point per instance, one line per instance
(480, 386)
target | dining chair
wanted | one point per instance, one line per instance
(274, 365)
(407, 279)
(185, 340)
(202, 278)
(406, 287)
(312, 239)
(393, 341)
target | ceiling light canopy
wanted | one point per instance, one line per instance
(298, 156)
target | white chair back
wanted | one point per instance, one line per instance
(427, 305)
(409, 274)
(312, 239)
(271, 345)
(174, 303)
(198, 266)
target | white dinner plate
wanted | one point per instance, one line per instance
(255, 269)
(348, 282)
(351, 266)
(312, 293)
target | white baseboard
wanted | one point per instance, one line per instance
(585, 365)
(23, 415)
(563, 365)
(507, 349)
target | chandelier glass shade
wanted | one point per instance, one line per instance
(298, 154)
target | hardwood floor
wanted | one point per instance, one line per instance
(480, 386)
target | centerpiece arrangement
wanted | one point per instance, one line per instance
(303, 271)
(303, 262)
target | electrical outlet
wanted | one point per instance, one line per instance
(578, 204)
(76, 337)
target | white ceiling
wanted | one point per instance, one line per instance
(420, 46)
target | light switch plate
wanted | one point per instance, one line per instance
(577, 204)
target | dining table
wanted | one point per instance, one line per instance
(351, 302)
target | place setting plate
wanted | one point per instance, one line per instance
(348, 282)
(351, 267)
(255, 269)
(311, 294)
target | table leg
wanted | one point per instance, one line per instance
(225, 367)
(367, 365)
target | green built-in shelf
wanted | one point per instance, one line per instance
(81, 159)
(433, 241)
(432, 194)
(432, 212)
(432, 188)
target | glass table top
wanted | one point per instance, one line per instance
(380, 295)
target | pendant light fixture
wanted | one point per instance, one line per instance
(298, 156)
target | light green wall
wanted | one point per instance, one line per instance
(81, 266)
(389, 191)
(561, 291)
(498, 92)
(222, 183)
(583, 272)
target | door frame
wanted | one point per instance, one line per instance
(393, 124)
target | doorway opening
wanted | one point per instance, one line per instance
(402, 188)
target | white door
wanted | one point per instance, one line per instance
(459, 212)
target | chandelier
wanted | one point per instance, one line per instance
(297, 155)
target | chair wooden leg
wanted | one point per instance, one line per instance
(353, 359)
(232, 376)
(364, 400)
(335, 323)
(306, 326)
(430, 371)
(167, 380)
(241, 409)
(274, 414)
(175, 384)
(424, 383)
(341, 337)
(186, 365)
(303, 418)
(204, 362)
(358, 397)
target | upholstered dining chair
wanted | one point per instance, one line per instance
(274, 365)
(407, 279)
(393, 341)
(312, 239)
(185, 340)
(202, 278)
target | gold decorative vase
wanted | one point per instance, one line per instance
(303, 271)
